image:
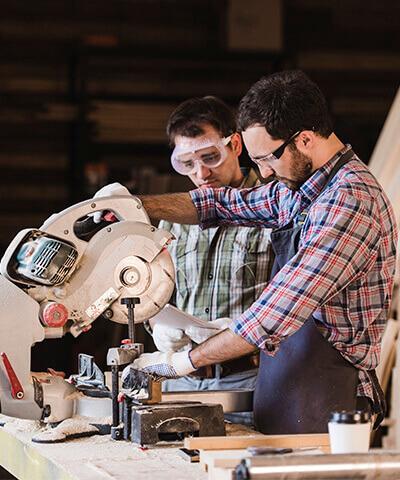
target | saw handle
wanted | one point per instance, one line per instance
(123, 207)
(86, 228)
(17, 391)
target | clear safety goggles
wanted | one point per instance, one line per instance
(209, 153)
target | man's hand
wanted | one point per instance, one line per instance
(162, 365)
(169, 339)
(108, 191)
(200, 335)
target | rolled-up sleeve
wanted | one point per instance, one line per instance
(257, 206)
(340, 244)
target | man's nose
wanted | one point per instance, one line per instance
(202, 172)
(266, 171)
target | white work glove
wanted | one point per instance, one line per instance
(108, 191)
(162, 365)
(200, 335)
(169, 339)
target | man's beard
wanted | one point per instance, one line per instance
(301, 170)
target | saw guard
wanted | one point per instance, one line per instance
(96, 285)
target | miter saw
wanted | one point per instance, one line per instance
(53, 281)
(60, 278)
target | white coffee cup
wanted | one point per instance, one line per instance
(349, 431)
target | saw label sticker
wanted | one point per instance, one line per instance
(102, 303)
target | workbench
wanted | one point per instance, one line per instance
(100, 458)
(97, 457)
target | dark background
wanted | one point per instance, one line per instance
(86, 88)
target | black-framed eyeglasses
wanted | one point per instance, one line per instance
(276, 153)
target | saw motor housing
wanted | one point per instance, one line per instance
(53, 282)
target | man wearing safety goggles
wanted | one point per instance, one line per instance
(219, 271)
(208, 151)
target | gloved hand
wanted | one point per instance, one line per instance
(200, 335)
(162, 365)
(169, 339)
(107, 191)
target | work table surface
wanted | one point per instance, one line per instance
(96, 457)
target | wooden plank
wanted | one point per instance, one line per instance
(388, 350)
(244, 441)
(208, 457)
(384, 162)
(221, 474)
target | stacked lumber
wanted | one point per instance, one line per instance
(133, 122)
(220, 455)
(173, 77)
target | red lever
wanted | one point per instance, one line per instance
(17, 391)
(110, 217)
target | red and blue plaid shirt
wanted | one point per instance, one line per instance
(343, 271)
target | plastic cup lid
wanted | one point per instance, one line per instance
(353, 416)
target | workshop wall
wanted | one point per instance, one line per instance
(86, 86)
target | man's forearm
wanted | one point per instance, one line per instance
(173, 207)
(220, 348)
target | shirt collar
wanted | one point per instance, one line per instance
(312, 187)
(250, 178)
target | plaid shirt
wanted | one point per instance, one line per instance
(343, 271)
(221, 271)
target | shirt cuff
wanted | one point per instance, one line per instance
(204, 201)
(251, 330)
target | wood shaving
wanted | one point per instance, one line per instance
(67, 428)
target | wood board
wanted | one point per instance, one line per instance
(243, 441)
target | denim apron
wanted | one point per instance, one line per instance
(308, 378)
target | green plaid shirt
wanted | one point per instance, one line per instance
(220, 271)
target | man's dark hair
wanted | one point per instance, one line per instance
(189, 118)
(284, 103)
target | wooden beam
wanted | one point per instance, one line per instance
(288, 441)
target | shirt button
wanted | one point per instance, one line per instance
(207, 310)
(210, 276)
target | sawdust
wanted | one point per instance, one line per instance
(149, 468)
(12, 424)
(238, 429)
(71, 427)
(102, 458)
(67, 428)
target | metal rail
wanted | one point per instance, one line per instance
(366, 466)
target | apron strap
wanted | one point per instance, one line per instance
(338, 165)
(379, 407)
(301, 218)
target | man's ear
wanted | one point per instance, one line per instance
(306, 141)
(236, 142)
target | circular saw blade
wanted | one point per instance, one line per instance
(152, 282)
